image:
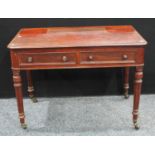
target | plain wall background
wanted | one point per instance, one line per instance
(76, 82)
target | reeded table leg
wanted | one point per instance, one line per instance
(126, 83)
(19, 96)
(30, 87)
(137, 92)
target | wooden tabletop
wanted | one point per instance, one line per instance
(86, 36)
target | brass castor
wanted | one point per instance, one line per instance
(33, 99)
(136, 126)
(24, 126)
(126, 95)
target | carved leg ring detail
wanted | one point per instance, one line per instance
(126, 93)
(30, 87)
(126, 83)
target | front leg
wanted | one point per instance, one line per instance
(137, 92)
(30, 87)
(19, 96)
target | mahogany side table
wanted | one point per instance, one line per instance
(77, 47)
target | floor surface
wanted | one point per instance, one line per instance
(81, 116)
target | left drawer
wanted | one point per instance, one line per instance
(47, 58)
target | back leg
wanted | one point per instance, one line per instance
(30, 87)
(126, 83)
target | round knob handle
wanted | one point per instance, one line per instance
(64, 58)
(90, 57)
(29, 59)
(125, 57)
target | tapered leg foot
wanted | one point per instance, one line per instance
(33, 99)
(136, 125)
(24, 126)
(126, 95)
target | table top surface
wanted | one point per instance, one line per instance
(83, 36)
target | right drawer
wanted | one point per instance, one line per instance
(92, 57)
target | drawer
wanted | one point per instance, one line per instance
(107, 57)
(47, 58)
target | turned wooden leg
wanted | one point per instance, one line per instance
(126, 83)
(30, 87)
(137, 92)
(19, 96)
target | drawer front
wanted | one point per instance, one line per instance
(107, 57)
(47, 58)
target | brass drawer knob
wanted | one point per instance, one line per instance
(64, 58)
(29, 59)
(90, 57)
(125, 57)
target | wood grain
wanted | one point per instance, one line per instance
(56, 37)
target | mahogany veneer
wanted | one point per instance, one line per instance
(77, 47)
